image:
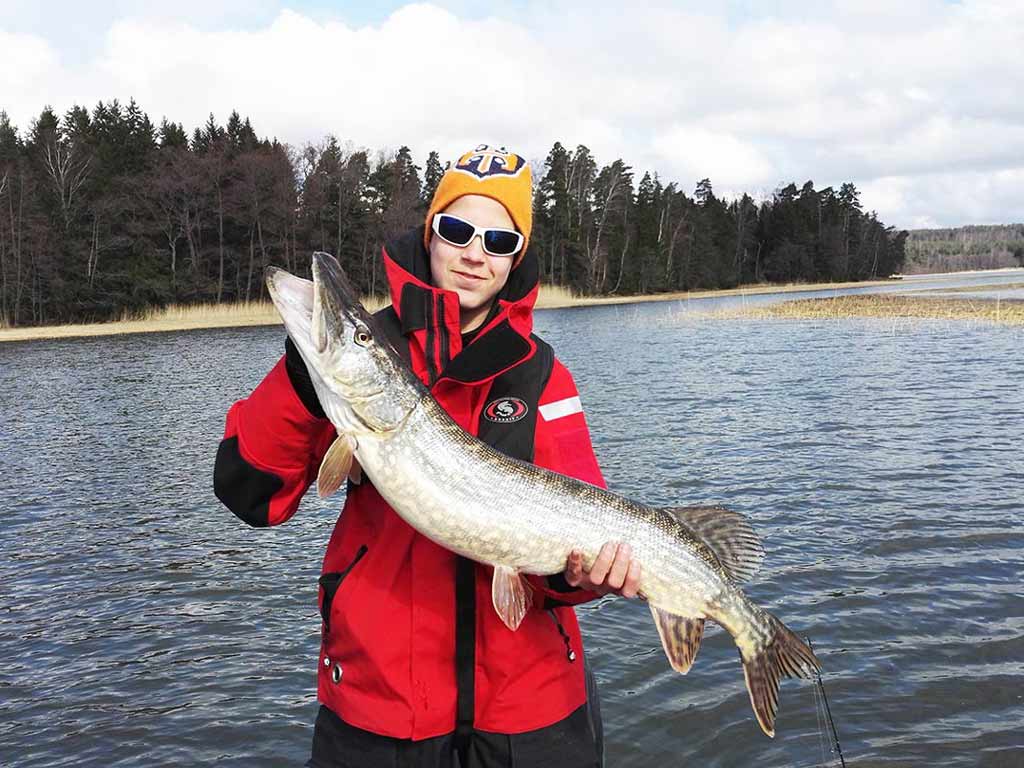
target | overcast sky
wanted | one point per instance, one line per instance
(918, 102)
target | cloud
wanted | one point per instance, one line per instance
(697, 153)
(903, 99)
(978, 197)
(25, 62)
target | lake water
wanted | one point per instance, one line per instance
(142, 624)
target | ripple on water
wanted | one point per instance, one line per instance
(142, 624)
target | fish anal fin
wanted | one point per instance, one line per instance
(680, 637)
(511, 595)
(727, 534)
(335, 467)
(786, 655)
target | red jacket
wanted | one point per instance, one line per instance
(387, 659)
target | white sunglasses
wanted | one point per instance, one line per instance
(459, 232)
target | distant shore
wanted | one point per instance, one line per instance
(197, 317)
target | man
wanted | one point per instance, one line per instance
(415, 667)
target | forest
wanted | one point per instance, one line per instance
(965, 248)
(103, 213)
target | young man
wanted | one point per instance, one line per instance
(415, 666)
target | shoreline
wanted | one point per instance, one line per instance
(259, 314)
(253, 314)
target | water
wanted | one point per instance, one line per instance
(142, 624)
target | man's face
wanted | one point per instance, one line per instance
(474, 275)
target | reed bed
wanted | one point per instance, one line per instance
(182, 317)
(973, 288)
(250, 312)
(892, 307)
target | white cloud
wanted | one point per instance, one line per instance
(987, 197)
(696, 153)
(917, 102)
(25, 62)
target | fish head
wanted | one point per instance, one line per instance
(359, 379)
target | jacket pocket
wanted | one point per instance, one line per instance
(330, 582)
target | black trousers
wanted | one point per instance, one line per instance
(575, 742)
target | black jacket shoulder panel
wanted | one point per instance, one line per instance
(508, 421)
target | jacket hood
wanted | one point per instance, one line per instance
(502, 342)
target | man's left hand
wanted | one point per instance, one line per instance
(613, 571)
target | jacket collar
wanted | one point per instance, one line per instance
(502, 343)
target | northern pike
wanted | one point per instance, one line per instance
(515, 516)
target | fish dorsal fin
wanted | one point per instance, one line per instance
(335, 467)
(680, 637)
(728, 535)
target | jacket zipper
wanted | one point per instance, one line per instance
(443, 334)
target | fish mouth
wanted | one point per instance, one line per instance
(323, 311)
(336, 304)
(319, 309)
(293, 297)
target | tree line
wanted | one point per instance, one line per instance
(965, 248)
(102, 212)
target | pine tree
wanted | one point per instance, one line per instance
(553, 198)
(172, 135)
(432, 174)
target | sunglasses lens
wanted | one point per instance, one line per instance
(501, 243)
(455, 230)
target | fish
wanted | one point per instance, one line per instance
(512, 515)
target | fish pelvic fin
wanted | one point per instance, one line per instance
(680, 637)
(785, 655)
(335, 467)
(728, 535)
(511, 595)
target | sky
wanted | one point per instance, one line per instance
(917, 102)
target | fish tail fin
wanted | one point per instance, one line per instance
(784, 655)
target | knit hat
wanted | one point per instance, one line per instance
(492, 172)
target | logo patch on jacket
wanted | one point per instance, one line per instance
(490, 161)
(505, 410)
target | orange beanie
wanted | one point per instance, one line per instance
(496, 173)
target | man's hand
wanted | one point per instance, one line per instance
(613, 570)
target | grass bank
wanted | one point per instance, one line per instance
(895, 306)
(192, 317)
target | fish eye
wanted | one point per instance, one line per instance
(363, 337)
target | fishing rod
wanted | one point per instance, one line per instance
(828, 711)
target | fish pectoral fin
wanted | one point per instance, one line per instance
(511, 595)
(728, 535)
(680, 637)
(335, 467)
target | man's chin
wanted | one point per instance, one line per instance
(470, 300)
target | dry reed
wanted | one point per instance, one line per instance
(195, 316)
(973, 288)
(181, 317)
(894, 306)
